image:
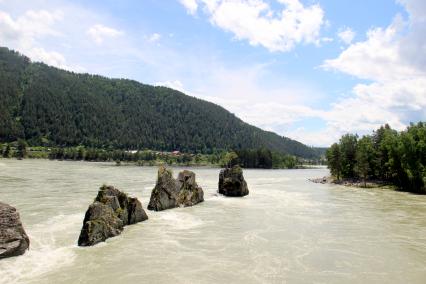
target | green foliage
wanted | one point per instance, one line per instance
(265, 159)
(398, 158)
(21, 151)
(282, 161)
(364, 157)
(334, 158)
(230, 159)
(255, 158)
(6, 151)
(348, 146)
(50, 107)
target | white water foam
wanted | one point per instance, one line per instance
(180, 220)
(45, 253)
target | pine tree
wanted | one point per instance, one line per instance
(364, 156)
(21, 152)
(334, 158)
(6, 151)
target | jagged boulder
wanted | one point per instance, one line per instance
(108, 214)
(170, 193)
(13, 239)
(100, 223)
(164, 194)
(189, 191)
(136, 212)
(232, 183)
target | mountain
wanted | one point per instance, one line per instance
(50, 106)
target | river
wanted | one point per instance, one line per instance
(288, 230)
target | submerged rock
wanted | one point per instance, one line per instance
(13, 239)
(170, 193)
(232, 183)
(108, 214)
(322, 180)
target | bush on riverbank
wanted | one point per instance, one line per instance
(387, 155)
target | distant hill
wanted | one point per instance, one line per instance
(50, 106)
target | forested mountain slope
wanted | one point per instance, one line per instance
(49, 106)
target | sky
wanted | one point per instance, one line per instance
(308, 70)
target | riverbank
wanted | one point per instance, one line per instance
(354, 182)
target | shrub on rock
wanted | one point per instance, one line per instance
(232, 182)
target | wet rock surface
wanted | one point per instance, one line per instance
(108, 214)
(232, 182)
(170, 193)
(13, 239)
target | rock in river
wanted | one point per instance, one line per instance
(108, 214)
(189, 191)
(232, 183)
(170, 193)
(13, 239)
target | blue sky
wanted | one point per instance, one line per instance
(309, 70)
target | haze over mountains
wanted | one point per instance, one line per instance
(49, 106)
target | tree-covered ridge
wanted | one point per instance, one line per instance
(51, 107)
(386, 155)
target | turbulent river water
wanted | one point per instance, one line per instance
(288, 230)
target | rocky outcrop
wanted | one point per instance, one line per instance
(232, 183)
(13, 239)
(322, 180)
(189, 191)
(170, 193)
(108, 214)
(164, 194)
(99, 224)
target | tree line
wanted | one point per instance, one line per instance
(387, 155)
(249, 158)
(261, 158)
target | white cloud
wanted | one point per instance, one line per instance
(154, 37)
(176, 85)
(257, 22)
(346, 35)
(190, 5)
(416, 9)
(24, 32)
(321, 137)
(98, 33)
(28, 27)
(392, 59)
(267, 115)
(52, 58)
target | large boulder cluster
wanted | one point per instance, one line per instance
(170, 193)
(13, 239)
(112, 209)
(232, 183)
(108, 214)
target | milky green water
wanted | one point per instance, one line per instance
(288, 230)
